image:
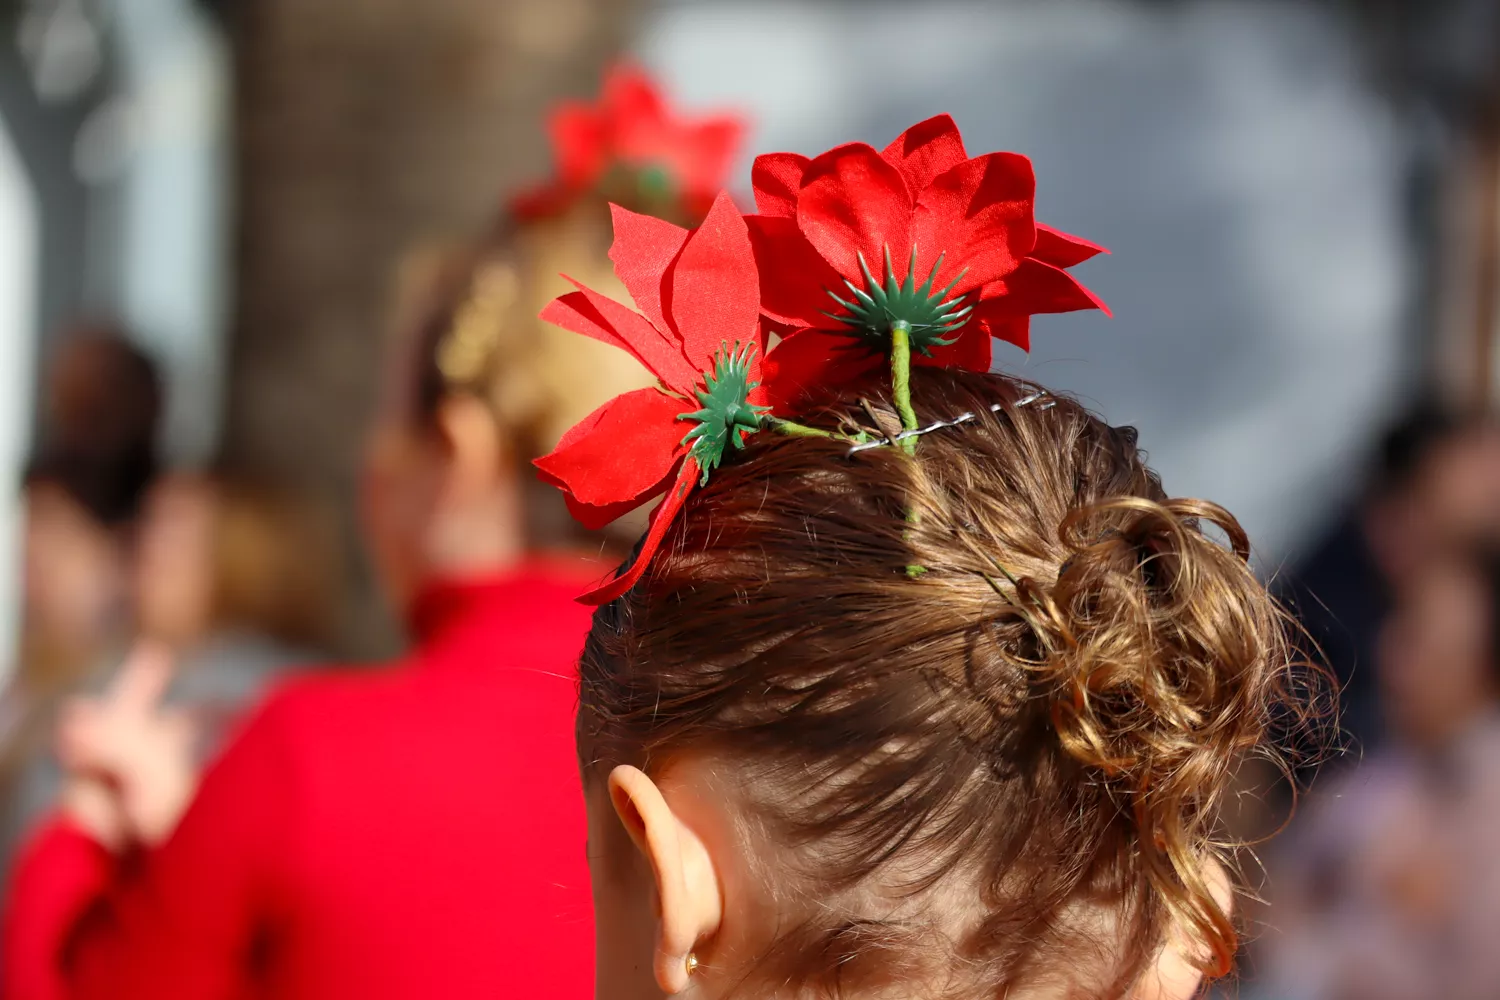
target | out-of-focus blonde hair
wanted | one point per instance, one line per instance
(274, 566)
(468, 319)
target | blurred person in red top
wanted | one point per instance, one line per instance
(360, 837)
(419, 832)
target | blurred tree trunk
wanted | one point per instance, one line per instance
(363, 127)
(1486, 258)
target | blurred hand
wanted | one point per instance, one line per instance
(94, 807)
(127, 743)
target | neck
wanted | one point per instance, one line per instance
(484, 536)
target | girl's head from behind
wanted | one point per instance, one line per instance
(919, 684)
(952, 723)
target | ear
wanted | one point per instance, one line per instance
(1176, 975)
(476, 446)
(687, 886)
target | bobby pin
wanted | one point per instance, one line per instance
(962, 418)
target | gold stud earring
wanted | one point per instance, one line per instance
(692, 963)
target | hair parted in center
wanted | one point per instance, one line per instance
(979, 702)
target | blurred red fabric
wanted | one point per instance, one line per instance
(412, 832)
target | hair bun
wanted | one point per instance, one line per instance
(1159, 653)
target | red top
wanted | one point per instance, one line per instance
(416, 832)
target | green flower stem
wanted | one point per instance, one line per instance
(901, 389)
(901, 380)
(913, 518)
(794, 429)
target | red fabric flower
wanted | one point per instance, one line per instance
(962, 225)
(674, 160)
(701, 336)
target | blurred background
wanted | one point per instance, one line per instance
(204, 207)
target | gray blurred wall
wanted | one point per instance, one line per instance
(1229, 154)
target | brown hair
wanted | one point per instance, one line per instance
(1007, 669)
(101, 407)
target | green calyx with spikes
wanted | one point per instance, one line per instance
(877, 309)
(727, 414)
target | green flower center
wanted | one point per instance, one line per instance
(877, 308)
(655, 183)
(650, 186)
(727, 414)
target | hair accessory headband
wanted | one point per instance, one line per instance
(975, 267)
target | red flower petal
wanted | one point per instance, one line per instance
(705, 153)
(810, 361)
(854, 202)
(630, 102)
(1035, 287)
(715, 289)
(596, 516)
(643, 251)
(579, 142)
(776, 178)
(1011, 329)
(794, 279)
(926, 150)
(579, 436)
(979, 214)
(970, 350)
(541, 201)
(1053, 246)
(661, 520)
(621, 451)
(593, 315)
